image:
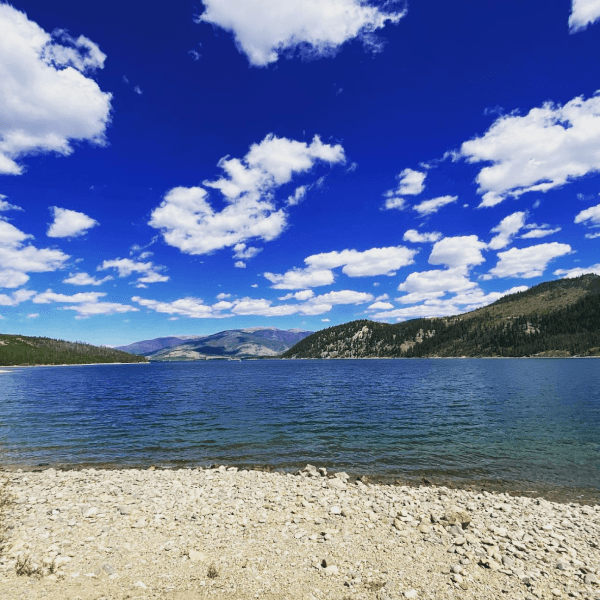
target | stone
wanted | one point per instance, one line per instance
(457, 516)
(459, 541)
(590, 579)
(140, 584)
(410, 594)
(335, 510)
(196, 555)
(108, 569)
(336, 484)
(424, 528)
(331, 570)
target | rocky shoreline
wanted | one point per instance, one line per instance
(229, 533)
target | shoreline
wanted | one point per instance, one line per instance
(183, 534)
(69, 365)
(515, 489)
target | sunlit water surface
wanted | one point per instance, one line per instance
(526, 422)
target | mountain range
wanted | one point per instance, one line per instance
(234, 343)
(556, 318)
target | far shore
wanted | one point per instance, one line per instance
(73, 365)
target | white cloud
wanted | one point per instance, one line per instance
(302, 295)
(325, 320)
(150, 273)
(577, 272)
(410, 183)
(544, 149)
(465, 301)
(298, 195)
(49, 296)
(16, 297)
(47, 101)
(33, 315)
(583, 13)
(428, 207)
(381, 306)
(589, 216)
(507, 229)
(460, 251)
(84, 279)
(264, 30)
(223, 296)
(527, 262)
(369, 263)
(12, 279)
(17, 257)
(239, 264)
(412, 235)
(194, 308)
(395, 203)
(245, 252)
(298, 279)
(311, 305)
(539, 232)
(4, 205)
(427, 285)
(93, 309)
(592, 236)
(69, 223)
(188, 221)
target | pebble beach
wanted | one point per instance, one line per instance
(229, 533)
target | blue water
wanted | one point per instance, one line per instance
(533, 422)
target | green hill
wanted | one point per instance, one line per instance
(556, 318)
(21, 350)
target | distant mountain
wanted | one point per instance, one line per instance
(234, 343)
(556, 318)
(22, 350)
(150, 346)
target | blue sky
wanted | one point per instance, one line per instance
(184, 169)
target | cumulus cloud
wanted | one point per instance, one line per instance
(460, 303)
(92, 309)
(542, 150)
(69, 223)
(86, 304)
(428, 207)
(578, 272)
(298, 279)
(589, 216)
(46, 99)
(583, 13)
(410, 183)
(16, 298)
(527, 262)
(507, 229)
(245, 252)
(150, 273)
(4, 205)
(394, 203)
(195, 308)
(458, 252)
(412, 235)
(18, 257)
(428, 285)
(85, 279)
(381, 306)
(264, 30)
(538, 231)
(49, 296)
(369, 263)
(187, 220)
(33, 315)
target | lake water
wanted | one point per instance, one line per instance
(527, 424)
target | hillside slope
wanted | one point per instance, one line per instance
(146, 347)
(234, 343)
(557, 318)
(21, 350)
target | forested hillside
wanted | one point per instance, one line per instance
(21, 350)
(558, 318)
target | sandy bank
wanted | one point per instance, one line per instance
(222, 533)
